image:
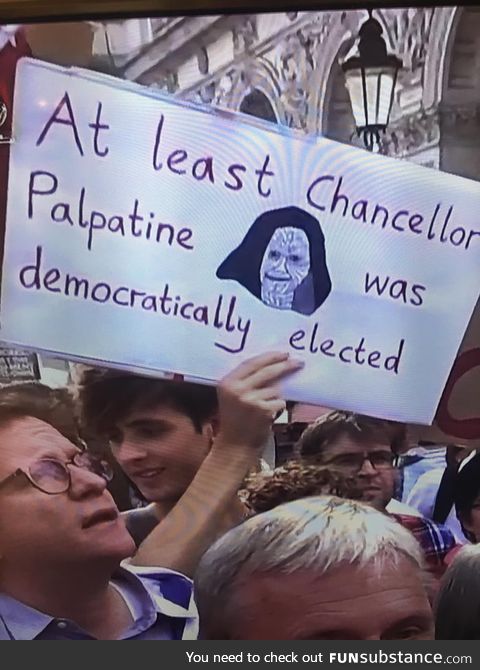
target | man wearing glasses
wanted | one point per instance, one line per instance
(365, 448)
(62, 539)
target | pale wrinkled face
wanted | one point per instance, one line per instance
(286, 262)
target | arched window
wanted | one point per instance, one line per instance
(257, 104)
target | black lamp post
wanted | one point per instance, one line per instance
(370, 78)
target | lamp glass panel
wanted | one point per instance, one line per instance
(379, 82)
(386, 83)
(353, 81)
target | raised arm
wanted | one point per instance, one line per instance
(249, 400)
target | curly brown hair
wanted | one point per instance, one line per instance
(265, 490)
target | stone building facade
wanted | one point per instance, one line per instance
(285, 68)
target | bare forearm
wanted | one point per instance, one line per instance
(248, 401)
(181, 538)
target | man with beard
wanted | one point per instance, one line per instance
(364, 447)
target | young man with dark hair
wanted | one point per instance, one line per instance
(159, 432)
(365, 448)
(62, 539)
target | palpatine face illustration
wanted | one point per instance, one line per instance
(286, 263)
(282, 261)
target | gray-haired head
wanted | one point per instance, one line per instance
(457, 609)
(320, 533)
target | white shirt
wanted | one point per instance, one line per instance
(160, 602)
(423, 495)
(397, 507)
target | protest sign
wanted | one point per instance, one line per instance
(157, 235)
(17, 365)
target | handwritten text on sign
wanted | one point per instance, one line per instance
(159, 236)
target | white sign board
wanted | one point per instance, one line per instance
(156, 235)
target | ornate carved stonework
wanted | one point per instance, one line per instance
(204, 95)
(290, 65)
(245, 35)
(225, 87)
(294, 61)
(411, 134)
(218, 92)
(284, 68)
(410, 32)
(288, 68)
(167, 81)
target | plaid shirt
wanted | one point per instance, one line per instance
(436, 540)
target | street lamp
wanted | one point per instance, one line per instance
(370, 78)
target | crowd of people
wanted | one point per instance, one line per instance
(219, 546)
